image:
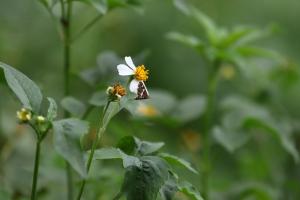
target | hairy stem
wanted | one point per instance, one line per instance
(94, 146)
(207, 165)
(36, 170)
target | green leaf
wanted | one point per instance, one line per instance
(67, 134)
(25, 89)
(208, 24)
(99, 5)
(52, 110)
(190, 108)
(145, 181)
(283, 137)
(146, 148)
(127, 144)
(229, 139)
(112, 110)
(182, 6)
(169, 189)
(189, 190)
(250, 51)
(174, 160)
(188, 40)
(73, 106)
(114, 153)
(98, 99)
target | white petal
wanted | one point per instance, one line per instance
(124, 70)
(134, 86)
(129, 62)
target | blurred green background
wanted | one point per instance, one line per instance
(29, 42)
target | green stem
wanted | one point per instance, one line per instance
(207, 165)
(36, 170)
(66, 16)
(94, 146)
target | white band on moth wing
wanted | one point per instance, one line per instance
(124, 70)
(133, 87)
(129, 62)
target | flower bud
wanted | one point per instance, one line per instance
(116, 92)
(24, 115)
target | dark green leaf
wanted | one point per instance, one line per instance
(67, 134)
(145, 181)
(25, 89)
(127, 144)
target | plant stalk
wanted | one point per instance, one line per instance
(91, 156)
(66, 17)
(211, 94)
(36, 170)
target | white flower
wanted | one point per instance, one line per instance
(139, 74)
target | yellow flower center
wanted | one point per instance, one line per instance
(141, 74)
(119, 90)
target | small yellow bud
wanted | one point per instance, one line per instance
(24, 115)
(228, 72)
(40, 119)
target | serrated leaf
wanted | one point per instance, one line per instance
(174, 160)
(52, 110)
(190, 108)
(189, 190)
(24, 88)
(67, 134)
(144, 182)
(73, 106)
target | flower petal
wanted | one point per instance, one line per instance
(133, 87)
(124, 70)
(129, 62)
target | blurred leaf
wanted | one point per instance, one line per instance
(229, 139)
(190, 108)
(182, 6)
(174, 160)
(67, 134)
(208, 24)
(145, 181)
(73, 106)
(189, 190)
(249, 51)
(188, 40)
(286, 142)
(99, 5)
(52, 110)
(127, 144)
(98, 99)
(162, 100)
(25, 89)
(112, 110)
(146, 148)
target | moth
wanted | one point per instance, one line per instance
(142, 92)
